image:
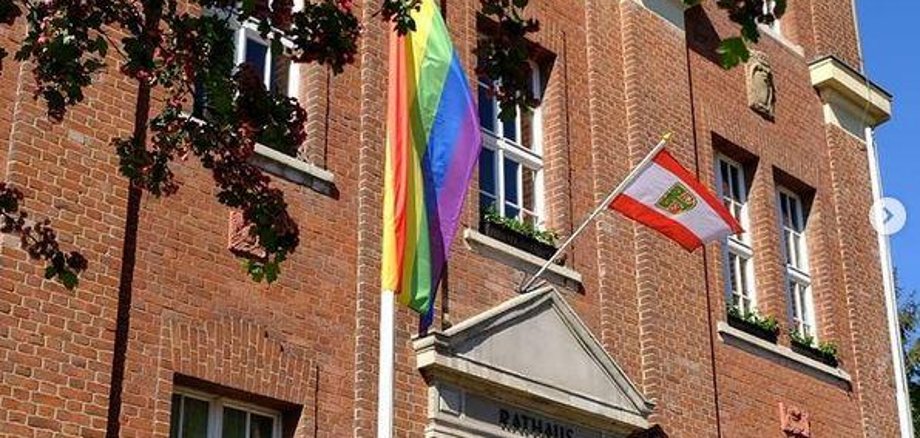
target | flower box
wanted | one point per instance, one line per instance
(816, 354)
(518, 240)
(753, 329)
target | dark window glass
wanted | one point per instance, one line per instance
(175, 415)
(509, 129)
(234, 425)
(260, 426)
(255, 56)
(195, 421)
(486, 109)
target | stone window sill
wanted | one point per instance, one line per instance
(733, 336)
(522, 260)
(294, 170)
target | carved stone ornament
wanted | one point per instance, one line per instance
(794, 422)
(240, 241)
(761, 89)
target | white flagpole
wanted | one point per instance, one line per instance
(603, 206)
(385, 371)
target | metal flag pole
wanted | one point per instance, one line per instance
(603, 206)
(385, 372)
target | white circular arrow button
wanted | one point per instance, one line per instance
(888, 216)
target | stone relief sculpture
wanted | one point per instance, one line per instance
(761, 89)
(240, 242)
(794, 422)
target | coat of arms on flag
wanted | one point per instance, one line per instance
(678, 199)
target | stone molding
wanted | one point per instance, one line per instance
(294, 170)
(522, 260)
(851, 101)
(495, 354)
(731, 335)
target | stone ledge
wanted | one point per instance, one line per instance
(727, 331)
(522, 260)
(851, 101)
(294, 170)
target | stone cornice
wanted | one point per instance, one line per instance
(851, 100)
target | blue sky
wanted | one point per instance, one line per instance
(892, 58)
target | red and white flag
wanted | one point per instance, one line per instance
(668, 198)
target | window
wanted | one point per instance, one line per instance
(198, 415)
(798, 279)
(738, 253)
(275, 71)
(511, 164)
(278, 73)
(769, 6)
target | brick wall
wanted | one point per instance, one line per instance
(620, 76)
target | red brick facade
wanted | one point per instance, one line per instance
(306, 346)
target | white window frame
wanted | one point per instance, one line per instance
(216, 406)
(528, 159)
(798, 286)
(248, 30)
(738, 245)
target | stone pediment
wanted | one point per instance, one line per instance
(534, 347)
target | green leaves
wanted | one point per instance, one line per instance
(504, 56)
(768, 323)
(548, 237)
(733, 51)
(748, 15)
(399, 13)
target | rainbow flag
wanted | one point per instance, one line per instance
(433, 142)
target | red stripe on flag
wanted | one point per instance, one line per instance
(398, 129)
(668, 162)
(641, 213)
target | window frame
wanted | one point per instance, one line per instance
(738, 246)
(529, 159)
(248, 30)
(798, 281)
(216, 406)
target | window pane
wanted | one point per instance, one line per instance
(509, 129)
(736, 183)
(795, 212)
(175, 416)
(784, 206)
(743, 286)
(260, 426)
(787, 237)
(281, 68)
(487, 171)
(255, 56)
(512, 169)
(529, 180)
(234, 425)
(486, 109)
(723, 173)
(527, 138)
(195, 421)
(733, 272)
